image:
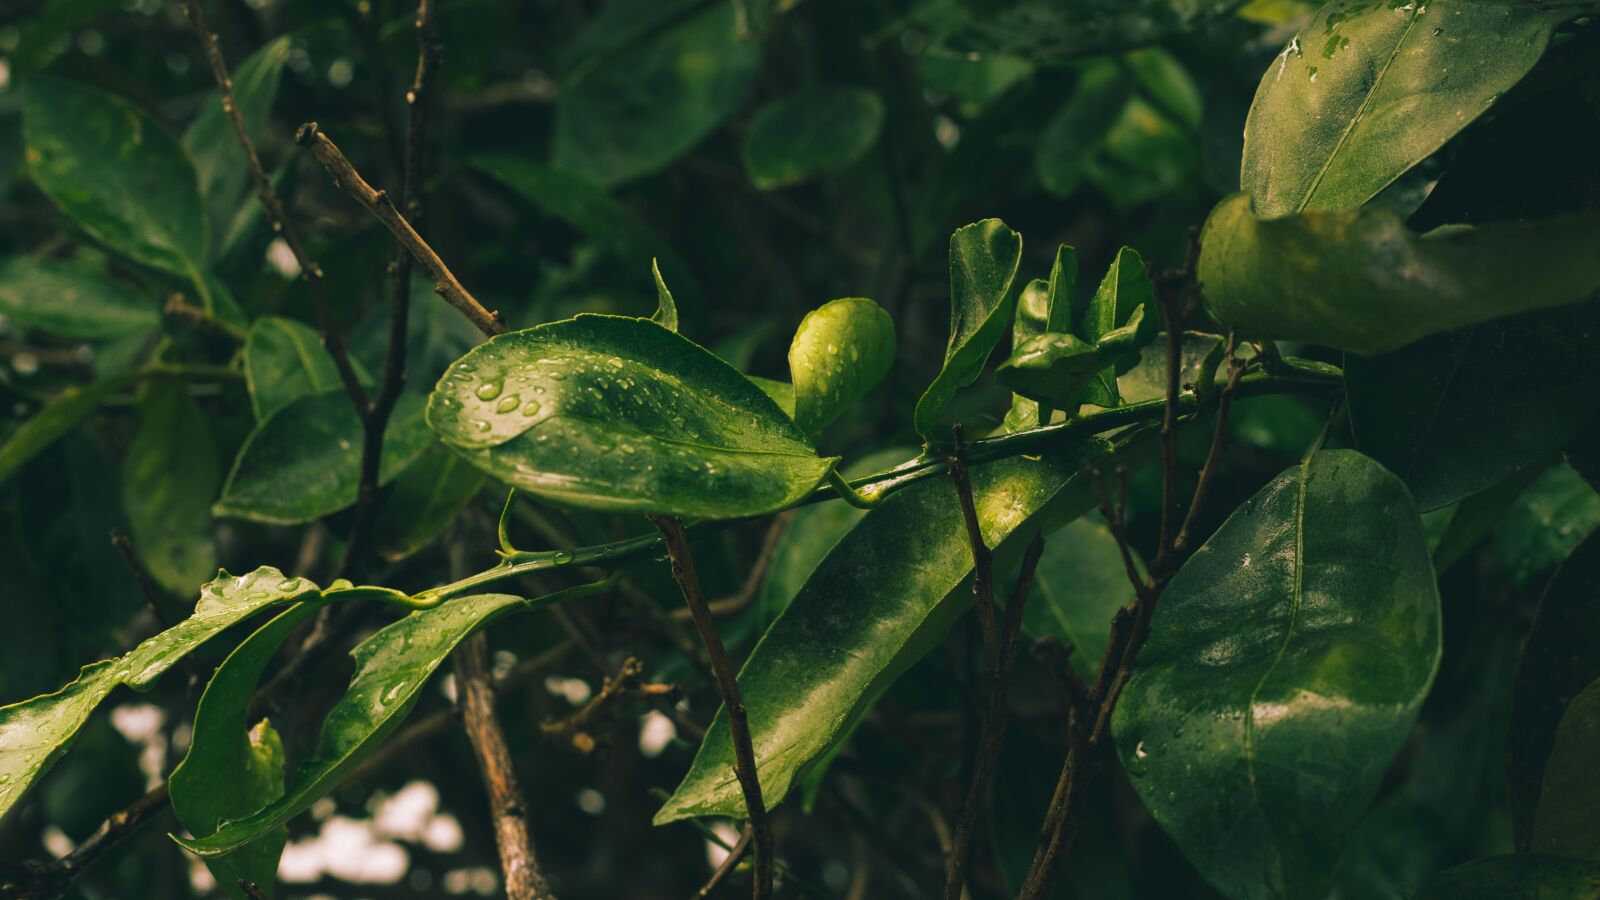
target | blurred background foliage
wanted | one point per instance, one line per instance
(773, 154)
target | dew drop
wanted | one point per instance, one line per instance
(507, 403)
(489, 390)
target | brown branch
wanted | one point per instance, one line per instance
(741, 599)
(47, 881)
(1000, 644)
(251, 890)
(523, 878)
(141, 576)
(347, 179)
(309, 270)
(683, 572)
(1219, 444)
(729, 862)
(628, 684)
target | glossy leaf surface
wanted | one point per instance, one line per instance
(615, 413)
(1559, 660)
(635, 112)
(233, 769)
(983, 261)
(840, 351)
(71, 301)
(1517, 878)
(1419, 411)
(882, 597)
(283, 360)
(303, 461)
(35, 733)
(1367, 89)
(170, 474)
(1285, 666)
(810, 133)
(1568, 820)
(392, 667)
(116, 172)
(1359, 280)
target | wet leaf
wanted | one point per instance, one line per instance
(284, 360)
(820, 130)
(1366, 90)
(72, 301)
(841, 350)
(392, 667)
(1359, 280)
(606, 412)
(303, 461)
(170, 474)
(116, 172)
(983, 261)
(35, 733)
(881, 599)
(1285, 666)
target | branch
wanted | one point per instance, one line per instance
(1219, 444)
(1000, 645)
(741, 599)
(729, 862)
(274, 209)
(375, 420)
(628, 684)
(47, 881)
(347, 179)
(523, 879)
(677, 543)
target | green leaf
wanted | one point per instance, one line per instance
(1367, 90)
(636, 112)
(231, 769)
(423, 501)
(219, 159)
(1419, 411)
(303, 461)
(1568, 820)
(60, 415)
(975, 81)
(71, 301)
(1080, 584)
(1473, 518)
(1076, 132)
(116, 172)
(283, 361)
(1559, 660)
(1041, 307)
(601, 218)
(1516, 878)
(35, 733)
(606, 412)
(1359, 280)
(1285, 666)
(666, 314)
(1053, 368)
(1054, 31)
(880, 600)
(1545, 523)
(840, 351)
(983, 261)
(170, 475)
(392, 667)
(820, 130)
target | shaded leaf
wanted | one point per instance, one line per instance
(983, 261)
(423, 501)
(840, 351)
(634, 113)
(1080, 584)
(71, 301)
(1568, 820)
(60, 415)
(170, 475)
(666, 314)
(1359, 280)
(880, 600)
(820, 130)
(116, 172)
(1366, 90)
(606, 412)
(1285, 666)
(1559, 660)
(284, 360)
(392, 667)
(219, 159)
(1547, 520)
(1059, 30)
(303, 461)
(1419, 411)
(1516, 878)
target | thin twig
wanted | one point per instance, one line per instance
(729, 862)
(141, 577)
(1000, 641)
(628, 684)
(1219, 444)
(347, 179)
(251, 890)
(523, 878)
(309, 270)
(683, 572)
(47, 881)
(741, 599)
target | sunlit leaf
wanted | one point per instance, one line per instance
(840, 351)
